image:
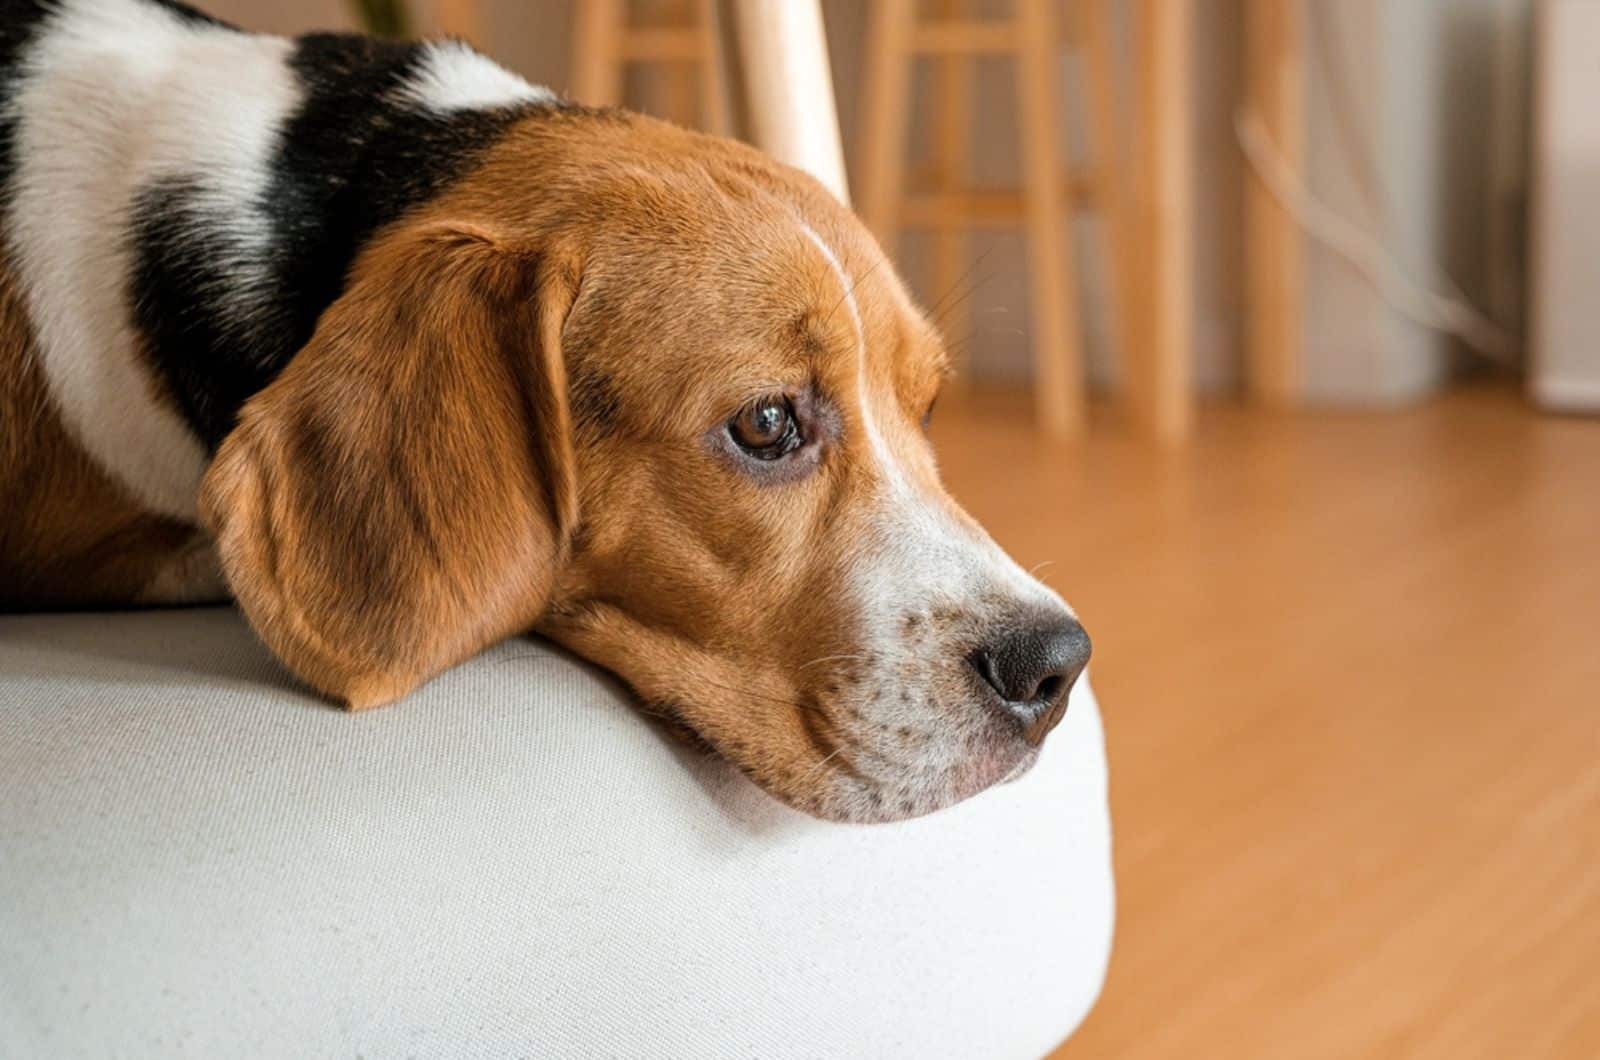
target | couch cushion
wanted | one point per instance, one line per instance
(197, 857)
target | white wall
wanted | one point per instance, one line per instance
(1425, 106)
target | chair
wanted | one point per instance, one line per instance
(944, 200)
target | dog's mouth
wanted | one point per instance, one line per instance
(840, 780)
(888, 732)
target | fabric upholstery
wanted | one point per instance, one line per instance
(198, 858)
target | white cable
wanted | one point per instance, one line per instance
(1429, 308)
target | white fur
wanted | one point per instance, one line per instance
(454, 77)
(869, 423)
(116, 94)
(930, 550)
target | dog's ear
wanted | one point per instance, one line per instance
(403, 494)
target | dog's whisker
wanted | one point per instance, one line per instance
(939, 307)
(954, 303)
(851, 290)
(818, 766)
(777, 701)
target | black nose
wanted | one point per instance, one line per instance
(1032, 670)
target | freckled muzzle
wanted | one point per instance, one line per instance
(962, 703)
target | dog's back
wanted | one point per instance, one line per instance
(181, 201)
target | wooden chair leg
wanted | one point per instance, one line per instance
(596, 52)
(953, 104)
(1058, 361)
(673, 79)
(885, 99)
(1274, 273)
(1098, 49)
(680, 93)
(1160, 375)
(713, 86)
(787, 84)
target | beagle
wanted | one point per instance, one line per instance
(406, 355)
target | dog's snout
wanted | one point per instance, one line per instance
(1032, 670)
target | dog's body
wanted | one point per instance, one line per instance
(183, 201)
(406, 356)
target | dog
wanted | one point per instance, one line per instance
(406, 355)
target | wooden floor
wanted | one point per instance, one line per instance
(1350, 669)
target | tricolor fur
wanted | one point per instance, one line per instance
(406, 355)
(185, 197)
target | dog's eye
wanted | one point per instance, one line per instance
(766, 428)
(927, 413)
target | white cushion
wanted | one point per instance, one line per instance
(198, 858)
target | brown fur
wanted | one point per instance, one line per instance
(402, 494)
(69, 536)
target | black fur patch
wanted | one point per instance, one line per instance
(19, 22)
(352, 159)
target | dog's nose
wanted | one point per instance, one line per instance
(1032, 670)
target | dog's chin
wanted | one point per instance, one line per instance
(832, 792)
(857, 800)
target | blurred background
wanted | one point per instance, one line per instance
(1276, 325)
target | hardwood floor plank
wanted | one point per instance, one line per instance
(1350, 667)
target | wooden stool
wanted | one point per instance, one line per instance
(774, 52)
(763, 71)
(1274, 273)
(1049, 196)
(682, 39)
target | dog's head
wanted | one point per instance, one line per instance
(662, 400)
